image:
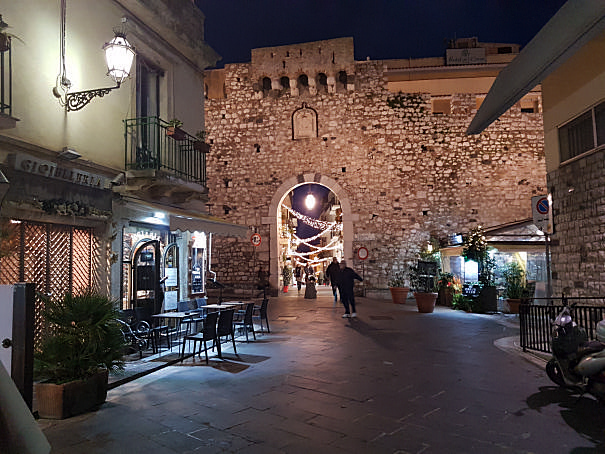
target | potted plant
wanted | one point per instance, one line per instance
(447, 286)
(5, 36)
(81, 343)
(476, 249)
(174, 129)
(423, 284)
(399, 287)
(200, 144)
(514, 286)
(286, 274)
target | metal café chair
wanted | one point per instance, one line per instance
(225, 329)
(246, 323)
(208, 333)
(262, 314)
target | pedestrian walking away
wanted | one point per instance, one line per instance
(346, 281)
(298, 272)
(332, 274)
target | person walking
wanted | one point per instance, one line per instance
(298, 275)
(346, 280)
(332, 274)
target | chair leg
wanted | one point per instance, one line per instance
(218, 347)
(267, 322)
(233, 340)
(205, 350)
(252, 329)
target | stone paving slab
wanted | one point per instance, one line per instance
(391, 381)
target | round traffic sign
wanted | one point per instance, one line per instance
(362, 253)
(255, 239)
(542, 206)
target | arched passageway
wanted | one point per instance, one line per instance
(274, 218)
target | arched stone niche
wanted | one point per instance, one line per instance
(304, 123)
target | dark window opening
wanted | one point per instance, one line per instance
(321, 83)
(285, 83)
(505, 50)
(576, 137)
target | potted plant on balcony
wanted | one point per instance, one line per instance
(423, 284)
(5, 36)
(399, 287)
(81, 343)
(200, 144)
(514, 286)
(174, 129)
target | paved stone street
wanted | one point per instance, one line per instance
(390, 381)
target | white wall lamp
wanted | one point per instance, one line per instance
(119, 55)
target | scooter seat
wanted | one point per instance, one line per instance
(590, 347)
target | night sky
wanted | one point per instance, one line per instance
(382, 29)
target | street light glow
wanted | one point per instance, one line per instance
(310, 201)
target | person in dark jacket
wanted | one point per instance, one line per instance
(332, 274)
(346, 281)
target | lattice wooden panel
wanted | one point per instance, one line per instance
(34, 265)
(81, 260)
(10, 266)
(59, 260)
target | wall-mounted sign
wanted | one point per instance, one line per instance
(362, 253)
(256, 240)
(29, 164)
(542, 213)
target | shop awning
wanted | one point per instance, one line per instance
(178, 219)
(573, 26)
(209, 224)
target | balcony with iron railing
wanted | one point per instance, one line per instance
(6, 83)
(152, 144)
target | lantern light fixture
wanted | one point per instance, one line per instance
(119, 55)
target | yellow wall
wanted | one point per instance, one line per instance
(439, 87)
(96, 131)
(569, 91)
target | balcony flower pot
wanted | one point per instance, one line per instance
(425, 301)
(81, 344)
(176, 133)
(399, 295)
(203, 147)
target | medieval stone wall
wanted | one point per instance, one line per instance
(407, 173)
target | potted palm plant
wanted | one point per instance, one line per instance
(514, 286)
(423, 278)
(399, 287)
(81, 343)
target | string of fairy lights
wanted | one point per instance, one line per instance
(325, 227)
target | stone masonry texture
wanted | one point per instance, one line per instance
(408, 174)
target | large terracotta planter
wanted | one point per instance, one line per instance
(426, 301)
(446, 296)
(399, 294)
(72, 398)
(513, 305)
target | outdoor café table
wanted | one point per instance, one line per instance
(177, 316)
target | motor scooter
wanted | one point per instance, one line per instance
(577, 364)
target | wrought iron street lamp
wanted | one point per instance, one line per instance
(119, 55)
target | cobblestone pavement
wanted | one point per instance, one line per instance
(391, 380)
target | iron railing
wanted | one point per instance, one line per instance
(536, 320)
(151, 143)
(6, 81)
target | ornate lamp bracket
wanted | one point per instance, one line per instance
(77, 100)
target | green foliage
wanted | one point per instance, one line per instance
(175, 122)
(475, 248)
(286, 274)
(398, 279)
(463, 303)
(201, 135)
(420, 282)
(81, 337)
(515, 283)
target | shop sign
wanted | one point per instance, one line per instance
(48, 169)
